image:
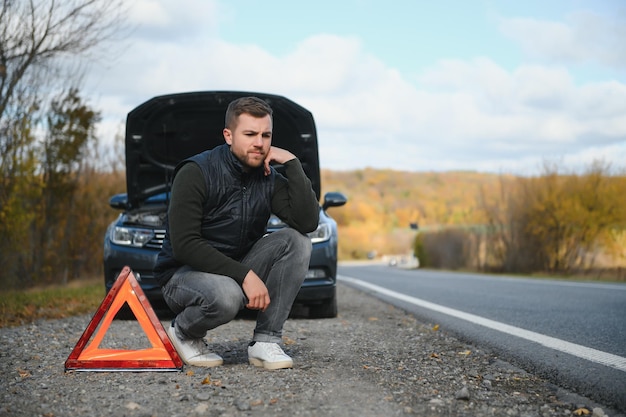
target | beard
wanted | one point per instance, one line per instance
(250, 160)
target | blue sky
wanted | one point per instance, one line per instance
(494, 86)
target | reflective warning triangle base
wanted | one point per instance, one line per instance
(162, 356)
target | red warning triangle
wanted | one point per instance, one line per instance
(89, 357)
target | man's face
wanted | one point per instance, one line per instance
(251, 139)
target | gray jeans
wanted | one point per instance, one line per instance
(204, 301)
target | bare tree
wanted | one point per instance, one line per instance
(42, 46)
(45, 46)
(38, 36)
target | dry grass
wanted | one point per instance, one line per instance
(22, 307)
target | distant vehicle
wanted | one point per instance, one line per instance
(407, 261)
(167, 129)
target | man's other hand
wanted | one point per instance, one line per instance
(256, 291)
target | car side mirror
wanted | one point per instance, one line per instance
(119, 201)
(334, 199)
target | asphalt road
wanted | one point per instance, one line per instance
(571, 333)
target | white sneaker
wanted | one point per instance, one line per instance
(193, 351)
(268, 356)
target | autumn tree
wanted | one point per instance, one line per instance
(20, 191)
(44, 48)
(568, 216)
(71, 129)
(555, 222)
(507, 246)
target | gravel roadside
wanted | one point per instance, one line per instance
(373, 360)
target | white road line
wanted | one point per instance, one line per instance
(593, 355)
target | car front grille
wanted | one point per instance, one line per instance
(159, 235)
(157, 241)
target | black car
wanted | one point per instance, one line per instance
(167, 129)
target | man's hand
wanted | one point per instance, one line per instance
(256, 291)
(278, 155)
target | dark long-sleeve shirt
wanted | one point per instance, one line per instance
(293, 201)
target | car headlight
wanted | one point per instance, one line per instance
(321, 234)
(130, 236)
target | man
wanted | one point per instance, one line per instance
(215, 258)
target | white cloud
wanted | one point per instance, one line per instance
(459, 114)
(585, 37)
(173, 22)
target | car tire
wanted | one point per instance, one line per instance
(326, 310)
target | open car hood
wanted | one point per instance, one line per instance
(167, 129)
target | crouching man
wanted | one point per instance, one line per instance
(215, 258)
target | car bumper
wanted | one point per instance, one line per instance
(318, 287)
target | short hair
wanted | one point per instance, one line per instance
(253, 106)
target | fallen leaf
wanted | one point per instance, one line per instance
(373, 319)
(255, 403)
(435, 327)
(465, 352)
(190, 373)
(434, 355)
(288, 341)
(23, 373)
(273, 400)
(206, 381)
(581, 412)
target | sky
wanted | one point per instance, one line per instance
(415, 85)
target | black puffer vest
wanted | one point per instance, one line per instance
(237, 208)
